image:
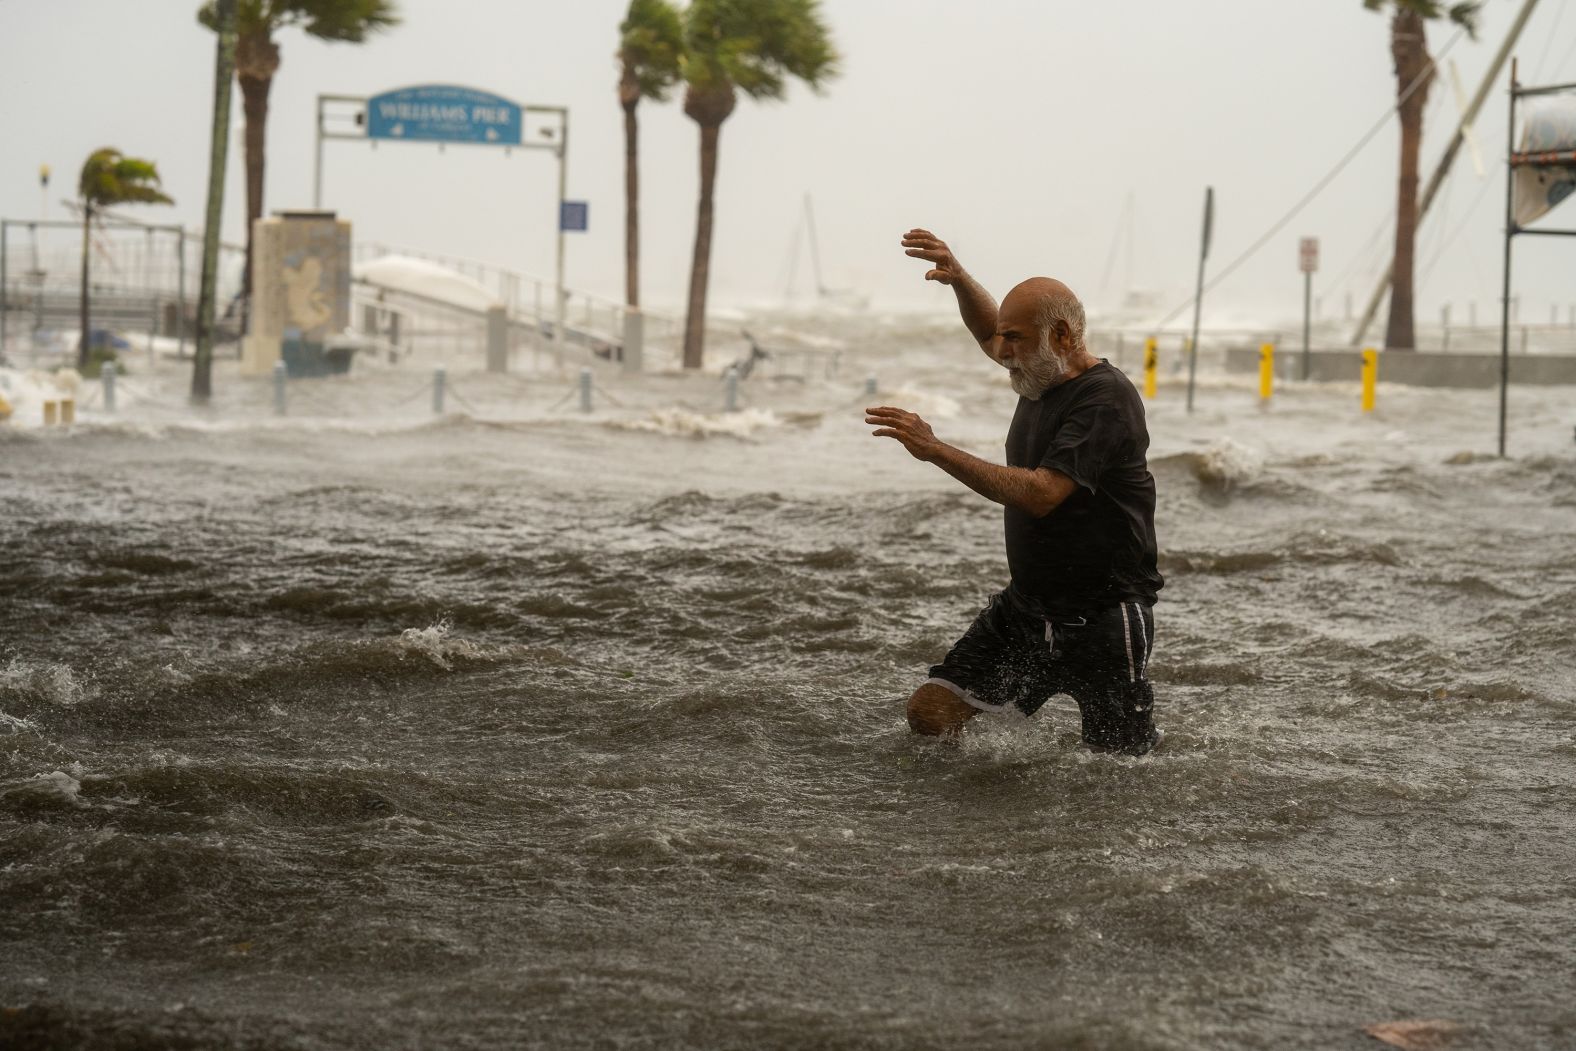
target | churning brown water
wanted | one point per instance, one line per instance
(528, 728)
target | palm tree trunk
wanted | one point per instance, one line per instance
(1409, 47)
(218, 156)
(700, 270)
(257, 58)
(82, 341)
(631, 207)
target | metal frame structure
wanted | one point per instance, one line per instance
(354, 110)
(1516, 160)
(108, 224)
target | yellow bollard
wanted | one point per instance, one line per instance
(5, 409)
(68, 412)
(1151, 367)
(51, 410)
(1266, 371)
(1370, 377)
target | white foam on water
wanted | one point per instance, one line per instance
(42, 680)
(434, 644)
(682, 423)
(12, 724)
(1229, 463)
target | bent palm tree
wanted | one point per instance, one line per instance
(1414, 75)
(731, 46)
(257, 60)
(651, 39)
(109, 178)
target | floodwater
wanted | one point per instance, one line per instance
(529, 728)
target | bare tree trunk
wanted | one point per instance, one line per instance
(1409, 47)
(631, 206)
(219, 150)
(700, 271)
(82, 340)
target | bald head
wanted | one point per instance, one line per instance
(1051, 309)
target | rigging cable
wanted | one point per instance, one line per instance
(1329, 177)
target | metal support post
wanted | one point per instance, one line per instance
(1307, 302)
(558, 273)
(1510, 232)
(870, 386)
(279, 388)
(438, 378)
(585, 390)
(317, 167)
(731, 388)
(107, 378)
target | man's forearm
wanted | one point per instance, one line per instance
(1036, 492)
(976, 306)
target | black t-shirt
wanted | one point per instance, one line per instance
(1098, 547)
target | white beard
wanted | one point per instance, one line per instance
(1038, 374)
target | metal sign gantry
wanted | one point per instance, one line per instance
(444, 114)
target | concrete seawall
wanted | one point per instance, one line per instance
(1413, 368)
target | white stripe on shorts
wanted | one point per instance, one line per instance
(1143, 644)
(1127, 640)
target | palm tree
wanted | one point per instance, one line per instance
(1414, 75)
(650, 42)
(257, 60)
(110, 178)
(731, 46)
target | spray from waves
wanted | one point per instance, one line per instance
(434, 644)
(44, 790)
(925, 403)
(1223, 466)
(41, 681)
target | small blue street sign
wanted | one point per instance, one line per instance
(572, 215)
(443, 113)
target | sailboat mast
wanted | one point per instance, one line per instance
(815, 246)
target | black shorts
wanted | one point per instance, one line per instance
(1012, 657)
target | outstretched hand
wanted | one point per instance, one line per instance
(907, 427)
(922, 244)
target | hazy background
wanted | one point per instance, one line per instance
(1017, 129)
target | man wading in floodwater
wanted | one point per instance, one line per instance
(1080, 517)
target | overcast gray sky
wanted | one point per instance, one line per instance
(1015, 128)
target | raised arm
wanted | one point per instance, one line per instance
(975, 304)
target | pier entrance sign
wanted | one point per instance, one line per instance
(444, 113)
(449, 113)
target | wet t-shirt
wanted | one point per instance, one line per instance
(1098, 547)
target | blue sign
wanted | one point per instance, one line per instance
(443, 113)
(573, 215)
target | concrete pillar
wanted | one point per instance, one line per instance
(497, 340)
(634, 340)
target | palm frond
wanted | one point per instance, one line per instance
(651, 45)
(756, 45)
(109, 177)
